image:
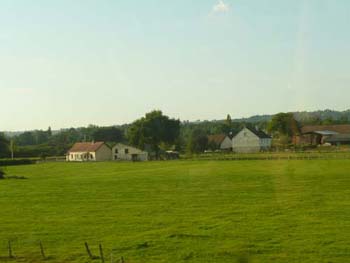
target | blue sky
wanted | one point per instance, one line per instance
(67, 63)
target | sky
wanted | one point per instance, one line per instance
(67, 63)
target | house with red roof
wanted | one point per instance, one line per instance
(89, 151)
(220, 141)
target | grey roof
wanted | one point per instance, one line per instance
(323, 133)
(259, 133)
(339, 138)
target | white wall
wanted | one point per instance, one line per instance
(265, 143)
(126, 153)
(103, 153)
(226, 144)
(245, 142)
(81, 156)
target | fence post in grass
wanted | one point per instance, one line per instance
(122, 260)
(10, 249)
(42, 250)
(88, 250)
(101, 254)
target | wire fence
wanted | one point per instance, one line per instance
(271, 156)
(15, 250)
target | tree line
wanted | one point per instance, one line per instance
(155, 133)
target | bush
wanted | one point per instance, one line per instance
(2, 174)
(10, 162)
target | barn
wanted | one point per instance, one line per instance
(320, 134)
(122, 152)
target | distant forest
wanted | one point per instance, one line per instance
(305, 117)
(44, 143)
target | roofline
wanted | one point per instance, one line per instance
(103, 143)
(252, 130)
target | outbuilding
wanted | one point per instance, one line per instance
(220, 141)
(122, 152)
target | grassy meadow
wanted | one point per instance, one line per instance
(180, 211)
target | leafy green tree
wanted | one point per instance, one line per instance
(284, 124)
(328, 121)
(2, 173)
(198, 141)
(154, 129)
(108, 134)
(49, 132)
(4, 146)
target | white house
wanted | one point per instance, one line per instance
(89, 151)
(251, 140)
(222, 141)
(124, 152)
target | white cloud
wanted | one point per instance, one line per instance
(221, 7)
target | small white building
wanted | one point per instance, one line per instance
(124, 152)
(89, 151)
(251, 140)
(221, 141)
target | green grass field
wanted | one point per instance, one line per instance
(181, 211)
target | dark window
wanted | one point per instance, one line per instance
(126, 151)
(116, 151)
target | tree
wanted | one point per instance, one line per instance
(2, 173)
(154, 129)
(284, 124)
(49, 132)
(198, 141)
(4, 146)
(229, 120)
(108, 134)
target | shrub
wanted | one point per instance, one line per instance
(2, 174)
(8, 162)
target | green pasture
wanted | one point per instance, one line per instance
(179, 211)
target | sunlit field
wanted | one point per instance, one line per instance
(180, 211)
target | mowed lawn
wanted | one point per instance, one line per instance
(180, 211)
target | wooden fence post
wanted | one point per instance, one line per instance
(101, 254)
(42, 250)
(10, 249)
(88, 250)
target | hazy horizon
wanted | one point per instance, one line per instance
(73, 63)
(182, 120)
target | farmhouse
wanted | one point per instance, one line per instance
(89, 151)
(124, 152)
(250, 140)
(321, 134)
(220, 141)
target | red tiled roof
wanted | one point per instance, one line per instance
(342, 129)
(217, 138)
(86, 147)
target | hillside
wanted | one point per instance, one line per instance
(304, 116)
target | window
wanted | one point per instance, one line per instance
(116, 151)
(126, 151)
